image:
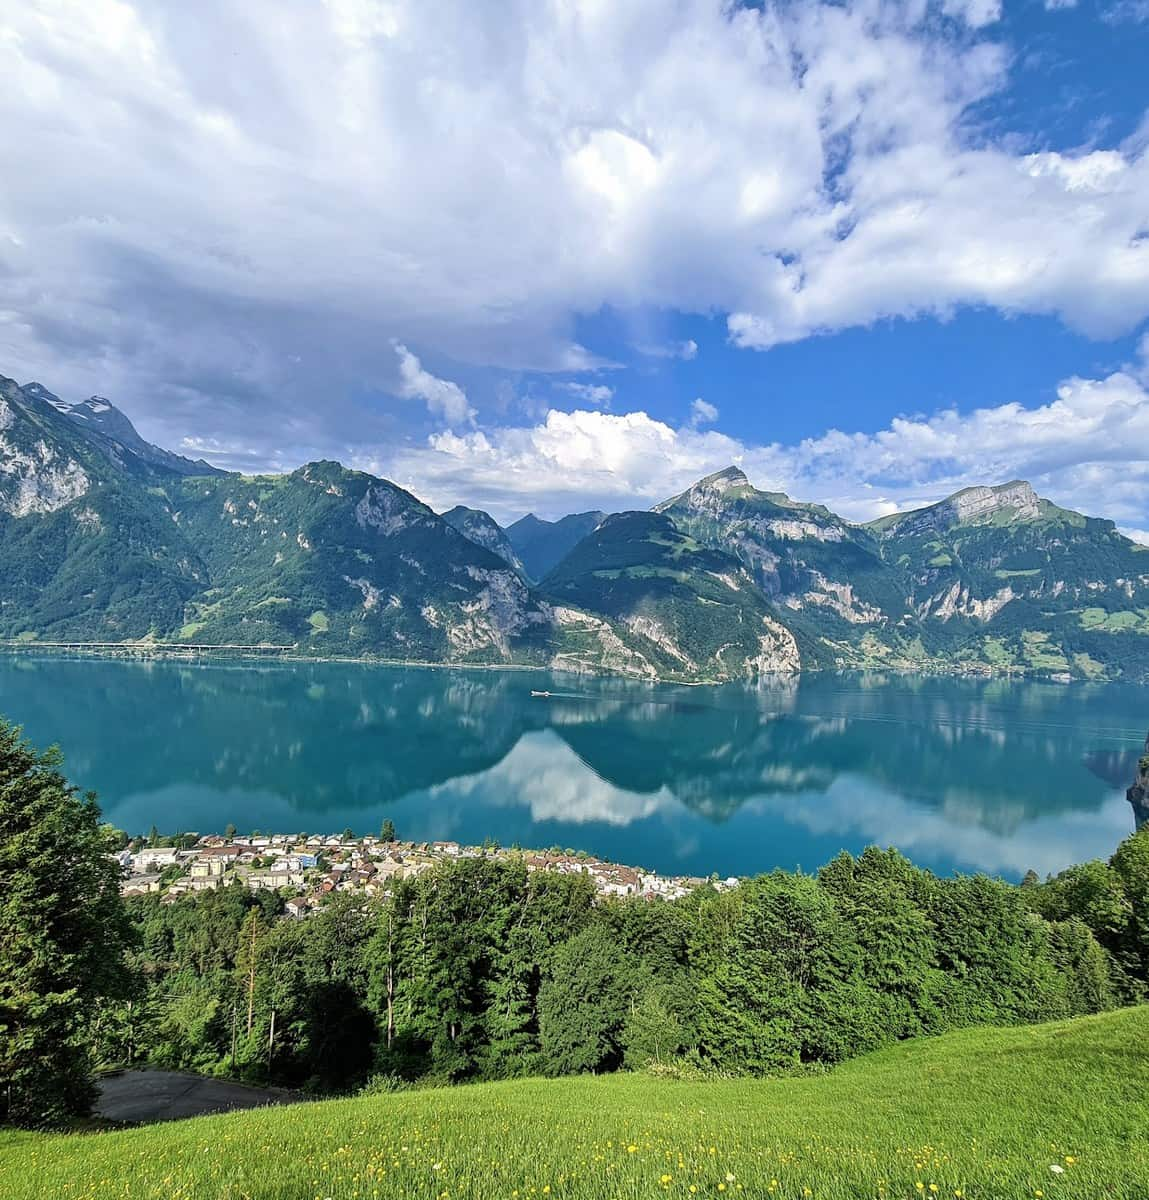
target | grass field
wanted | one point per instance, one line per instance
(1056, 1111)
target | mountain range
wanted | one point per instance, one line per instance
(105, 537)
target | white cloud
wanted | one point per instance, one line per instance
(468, 177)
(1056, 5)
(1087, 449)
(442, 397)
(975, 13)
(589, 393)
(702, 412)
(686, 350)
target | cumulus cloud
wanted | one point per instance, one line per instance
(1086, 449)
(201, 234)
(443, 398)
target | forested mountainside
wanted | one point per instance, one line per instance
(106, 538)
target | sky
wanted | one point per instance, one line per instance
(553, 255)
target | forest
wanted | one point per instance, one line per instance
(481, 969)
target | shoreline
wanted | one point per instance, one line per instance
(196, 655)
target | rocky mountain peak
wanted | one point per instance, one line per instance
(707, 493)
(725, 479)
(482, 529)
(977, 503)
(1003, 503)
(37, 391)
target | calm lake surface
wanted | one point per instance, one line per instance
(960, 774)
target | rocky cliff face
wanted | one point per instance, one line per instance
(87, 551)
(38, 472)
(482, 529)
(1013, 501)
(1138, 794)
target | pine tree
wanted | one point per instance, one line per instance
(249, 949)
(63, 934)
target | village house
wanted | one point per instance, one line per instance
(208, 868)
(140, 885)
(151, 857)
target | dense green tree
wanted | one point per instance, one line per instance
(652, 1031)
(585, 1001)
(63, 935)
(1131, 864)
(482, 969)
(790, 986)
(996, 952)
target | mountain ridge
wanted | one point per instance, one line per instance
(103, 539)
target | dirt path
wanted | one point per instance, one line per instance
(142, 1096)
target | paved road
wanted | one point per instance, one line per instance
(171, 1095)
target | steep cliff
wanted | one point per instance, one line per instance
(1138, 794)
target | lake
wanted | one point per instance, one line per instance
(961, 774)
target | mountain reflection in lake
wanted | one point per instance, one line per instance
(961, 774)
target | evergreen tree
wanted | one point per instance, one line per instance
(63, 935)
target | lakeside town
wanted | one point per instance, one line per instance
(307, 868)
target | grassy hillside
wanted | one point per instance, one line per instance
(976, 1114)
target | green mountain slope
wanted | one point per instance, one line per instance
(331, 559)
(542, 545)
(1057, 1111)
(692, 611)
(1000, 576)
(827, 578)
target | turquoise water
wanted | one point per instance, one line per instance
(961, 774)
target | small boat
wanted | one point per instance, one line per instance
(545, 695)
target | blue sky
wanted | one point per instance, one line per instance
(564, 254)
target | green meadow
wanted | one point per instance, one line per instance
(1059, 1110)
